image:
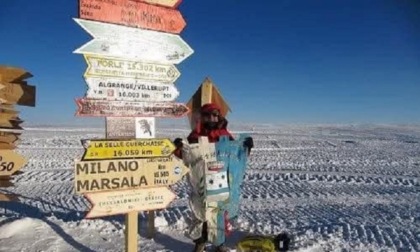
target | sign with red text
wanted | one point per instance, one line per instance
(120, 89)
(101, 108)
(133, 14)
(166, 3)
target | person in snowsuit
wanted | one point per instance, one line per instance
(213, 125)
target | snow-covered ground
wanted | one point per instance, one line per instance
(335, 188)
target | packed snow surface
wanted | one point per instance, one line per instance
(334, 188)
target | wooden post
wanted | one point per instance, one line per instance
(151, 224)
(206, 93)
(131, 231)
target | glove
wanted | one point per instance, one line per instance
(249, 144)
(178, 143)
(178, 147)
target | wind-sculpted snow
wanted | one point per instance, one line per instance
(335, 188)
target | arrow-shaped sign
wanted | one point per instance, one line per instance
(119, 68)
(9, 137)
(130, 90)
(134, 14)
(8, 109)
(89, 107)
(13, 74)
(167, 3)
(20, 94)
(10, 124)
(98, 149)
(133, 43)
(124, 201)
(94, 176)
(10, 162)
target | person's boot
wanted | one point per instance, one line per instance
(199, 246)
(222, 248)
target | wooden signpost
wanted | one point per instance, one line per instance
(130, 90)
(101, 108)
(132, 69)
(133, 14)
(130, 78)
(133, 43)
(13, 74)
(14, 89)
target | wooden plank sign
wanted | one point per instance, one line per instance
(130, 90)
(133, 43)
(134, 14)
(95, 176)
(101, 108)
(20, 94)
(10, 124)
(166, 3)
(10, 162)
(121, 202)
(98, 149)
(131, 69)
(13, 74)
(9, 137)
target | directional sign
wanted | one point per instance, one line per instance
(9, 137)
(5, 182)
(119, 68)
(130, 90)
(89, 107)
(167, 3)
(10, 124)
(134, 14)
(8, 109)
(10, 162)
(8, 140)
(95, 176)
(124, 201)
(133, 43)
(17, 94)
(13, 74)
(8, 197)
(139, 148)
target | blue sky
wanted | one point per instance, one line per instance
(275, 61)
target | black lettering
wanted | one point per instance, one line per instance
(94, 185)
(115, 183)
(105, 183)
(82, 185)
(82, 169)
